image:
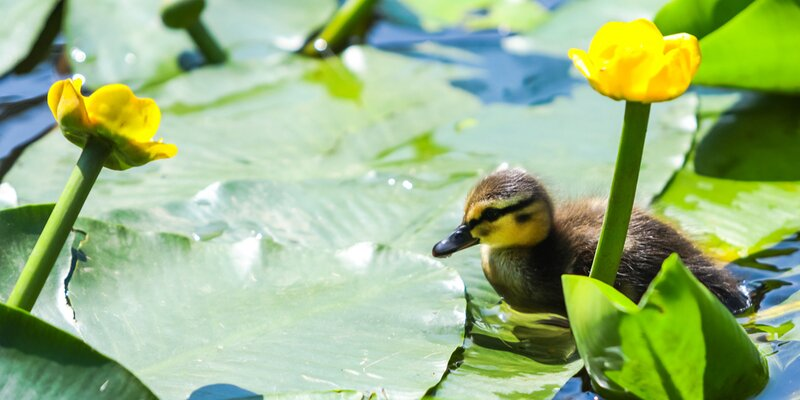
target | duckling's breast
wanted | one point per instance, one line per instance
(523, 284)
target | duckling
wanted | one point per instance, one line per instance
(527, 244)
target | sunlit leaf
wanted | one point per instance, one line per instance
(112, 41)
(255, 314)
(509, 15)
(680, 342)
(39, 361)
(407, 126)
(738, 138)
(21, 21)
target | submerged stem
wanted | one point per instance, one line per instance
(340, 27)
(58, 225)
(623, 191)
(206, 43)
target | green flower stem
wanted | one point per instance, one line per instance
(59, 225)
(206, 43)
(623, 190)
(340, 27)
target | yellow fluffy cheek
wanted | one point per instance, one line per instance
(508, 233)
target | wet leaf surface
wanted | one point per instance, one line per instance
(20, 24)
(734, 218)
(254, 313)
(113, 41)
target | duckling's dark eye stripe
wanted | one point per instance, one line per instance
(495, 213)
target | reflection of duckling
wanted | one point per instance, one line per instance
(527, 246)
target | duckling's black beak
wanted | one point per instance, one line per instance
(458, 240)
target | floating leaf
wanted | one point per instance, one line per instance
(509, 15)
(111, 41)
(734, 218)
(39, 361)
(258, 315)
(20, 24)
(407, 126)
(680, 342)
(755, 139)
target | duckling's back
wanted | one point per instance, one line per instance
(649, 242)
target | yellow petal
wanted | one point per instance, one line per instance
(127, 154)
(689, 43)
(54, 97)
(584, 63)
(628, 74)
(633, 61)
(673, 79)
(66, 103)
(639, 34)
(117, 112)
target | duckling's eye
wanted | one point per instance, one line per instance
(491, 214)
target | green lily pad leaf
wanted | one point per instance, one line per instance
(20, 227)
(511, 355)
(261, 316)
(680, 342)
(39, 361)
(731, 219)
(699, 17)
(325, 214)
(126, 42)
(262, 134)
(488, 373)
(508, 15)
(413, 129)
(20, 25)
(321, 214)
(735, 218)
(756, 139)
(727, 27)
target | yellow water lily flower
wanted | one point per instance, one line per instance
(115, 115)
(634, 61)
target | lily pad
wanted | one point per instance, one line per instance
(734, 218)
(410, 124)
(502, 374)
(112, 41)
(20, 25)
(508, 15)
(39, 361)
(261, 316)
(756, 139)
(327, 317)
(20, 227)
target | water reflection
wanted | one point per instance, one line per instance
(545, 338)
(774, 276)
(501, 76)
(24, 115)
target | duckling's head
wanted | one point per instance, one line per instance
(508, 208)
